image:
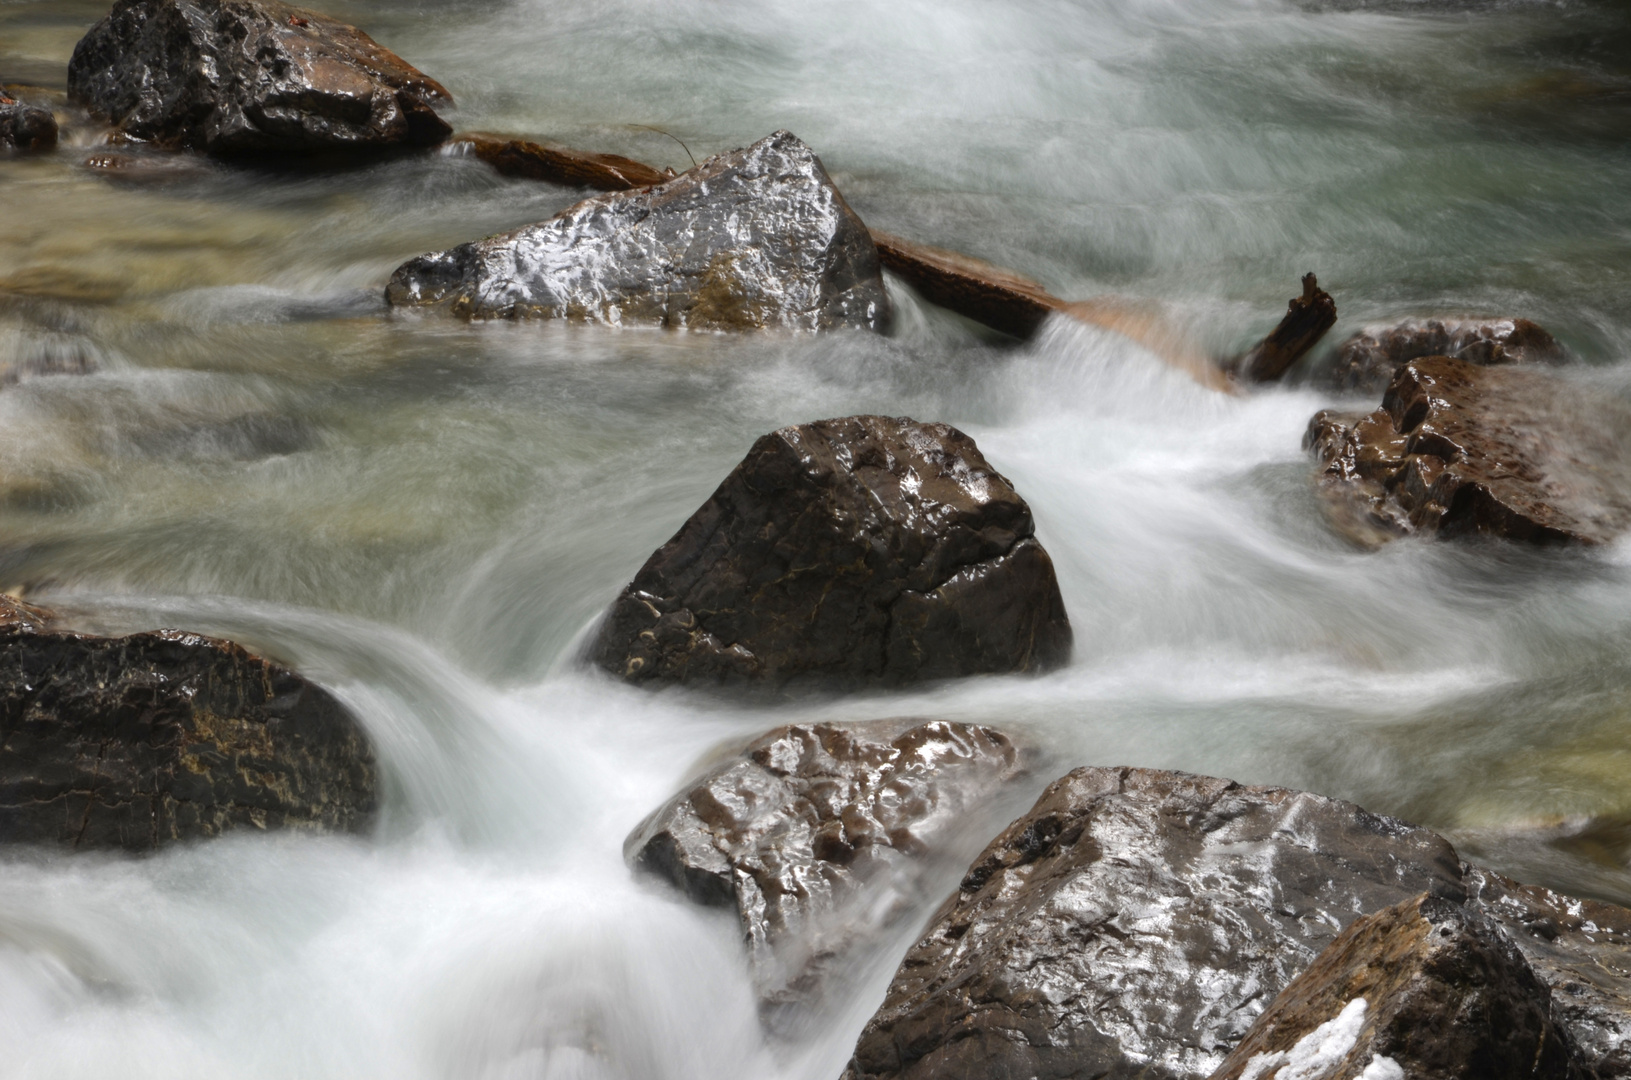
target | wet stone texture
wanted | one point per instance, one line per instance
(821, 836)
(1368, 361)
(25, 127)
(139, 741)
(867, 550)
(1459, 448)
(1135, 924)
(256, 78)
(751, 239)
(1425, 989)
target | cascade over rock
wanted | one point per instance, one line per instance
(862, 550)
(135, 742)
(251, 78)
(752, 239)
(822, 835)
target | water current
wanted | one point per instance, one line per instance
(428, 516)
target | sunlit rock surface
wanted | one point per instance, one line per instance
(1368, 361)
(820, 835)
(1460, 448)
(139, 741)
(862, 550)
(1134, 924)
(751, 239)
(251, 78)
(1426, 989)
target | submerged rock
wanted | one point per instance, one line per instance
(240, 78)
(1307, 319)
(1134, 924)
(862, 550)
(978, 290)
(748, 240)
(556, 164)
(25, 127)
(1426, 989)
(1460, 448)
(135, 742)
(1369, 360)
(821, 835)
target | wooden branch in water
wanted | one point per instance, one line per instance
(1307, 319)
(558, 165)
(988, 294)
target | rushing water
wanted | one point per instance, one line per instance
(427, 516)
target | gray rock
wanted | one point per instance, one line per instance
(25, 127)
(821, 836)
(751, 239)
(867, 550)
(242, 78)
(1135, 924)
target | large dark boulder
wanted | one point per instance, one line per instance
(821, 836)
(135, 742)
(1368, 361)
(1135, 924)
(751, 239)
(241, 78)
(1426, 989)
(863, 550)
(24, 126)
(1460, 448)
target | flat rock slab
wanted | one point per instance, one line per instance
(1426, 989)
(25, 127)
(1368, 361)
(136, 742)
(752, 239)
(866, 550)
(1135, 924)
(530, 160)
(820, 835)
(251, 78)
(973, 288)
(1460, 448)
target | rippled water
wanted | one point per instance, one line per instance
(427, 516)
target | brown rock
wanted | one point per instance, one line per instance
(978, 290)
(1460, 448)
(1425, 989)
(1307, 319)
(251, 78)
(1368, 361)
(139, 741)
(1134, 924)
(821, 836)
(862, 550)
(556, 164)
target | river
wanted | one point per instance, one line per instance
(428, 516)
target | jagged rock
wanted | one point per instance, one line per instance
(557, 164)
(1425, 989)
(978, 290)
(1307, 319)
(1460, 448)
(240, 78)
(863, 550)
(820, 835)
(25, 127)
(751, 239)
(1134, 924)
(1369, 360)
(138, 741)
(1582, 950)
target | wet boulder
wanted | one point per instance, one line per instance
(25, 127)
(1460, 448)
(139, 741)
(1367, 362)
(251, 78)
(1426, 989)
(1135, 923)
(530, 160)
(866, 550)
(752, 239)
(821, 836)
